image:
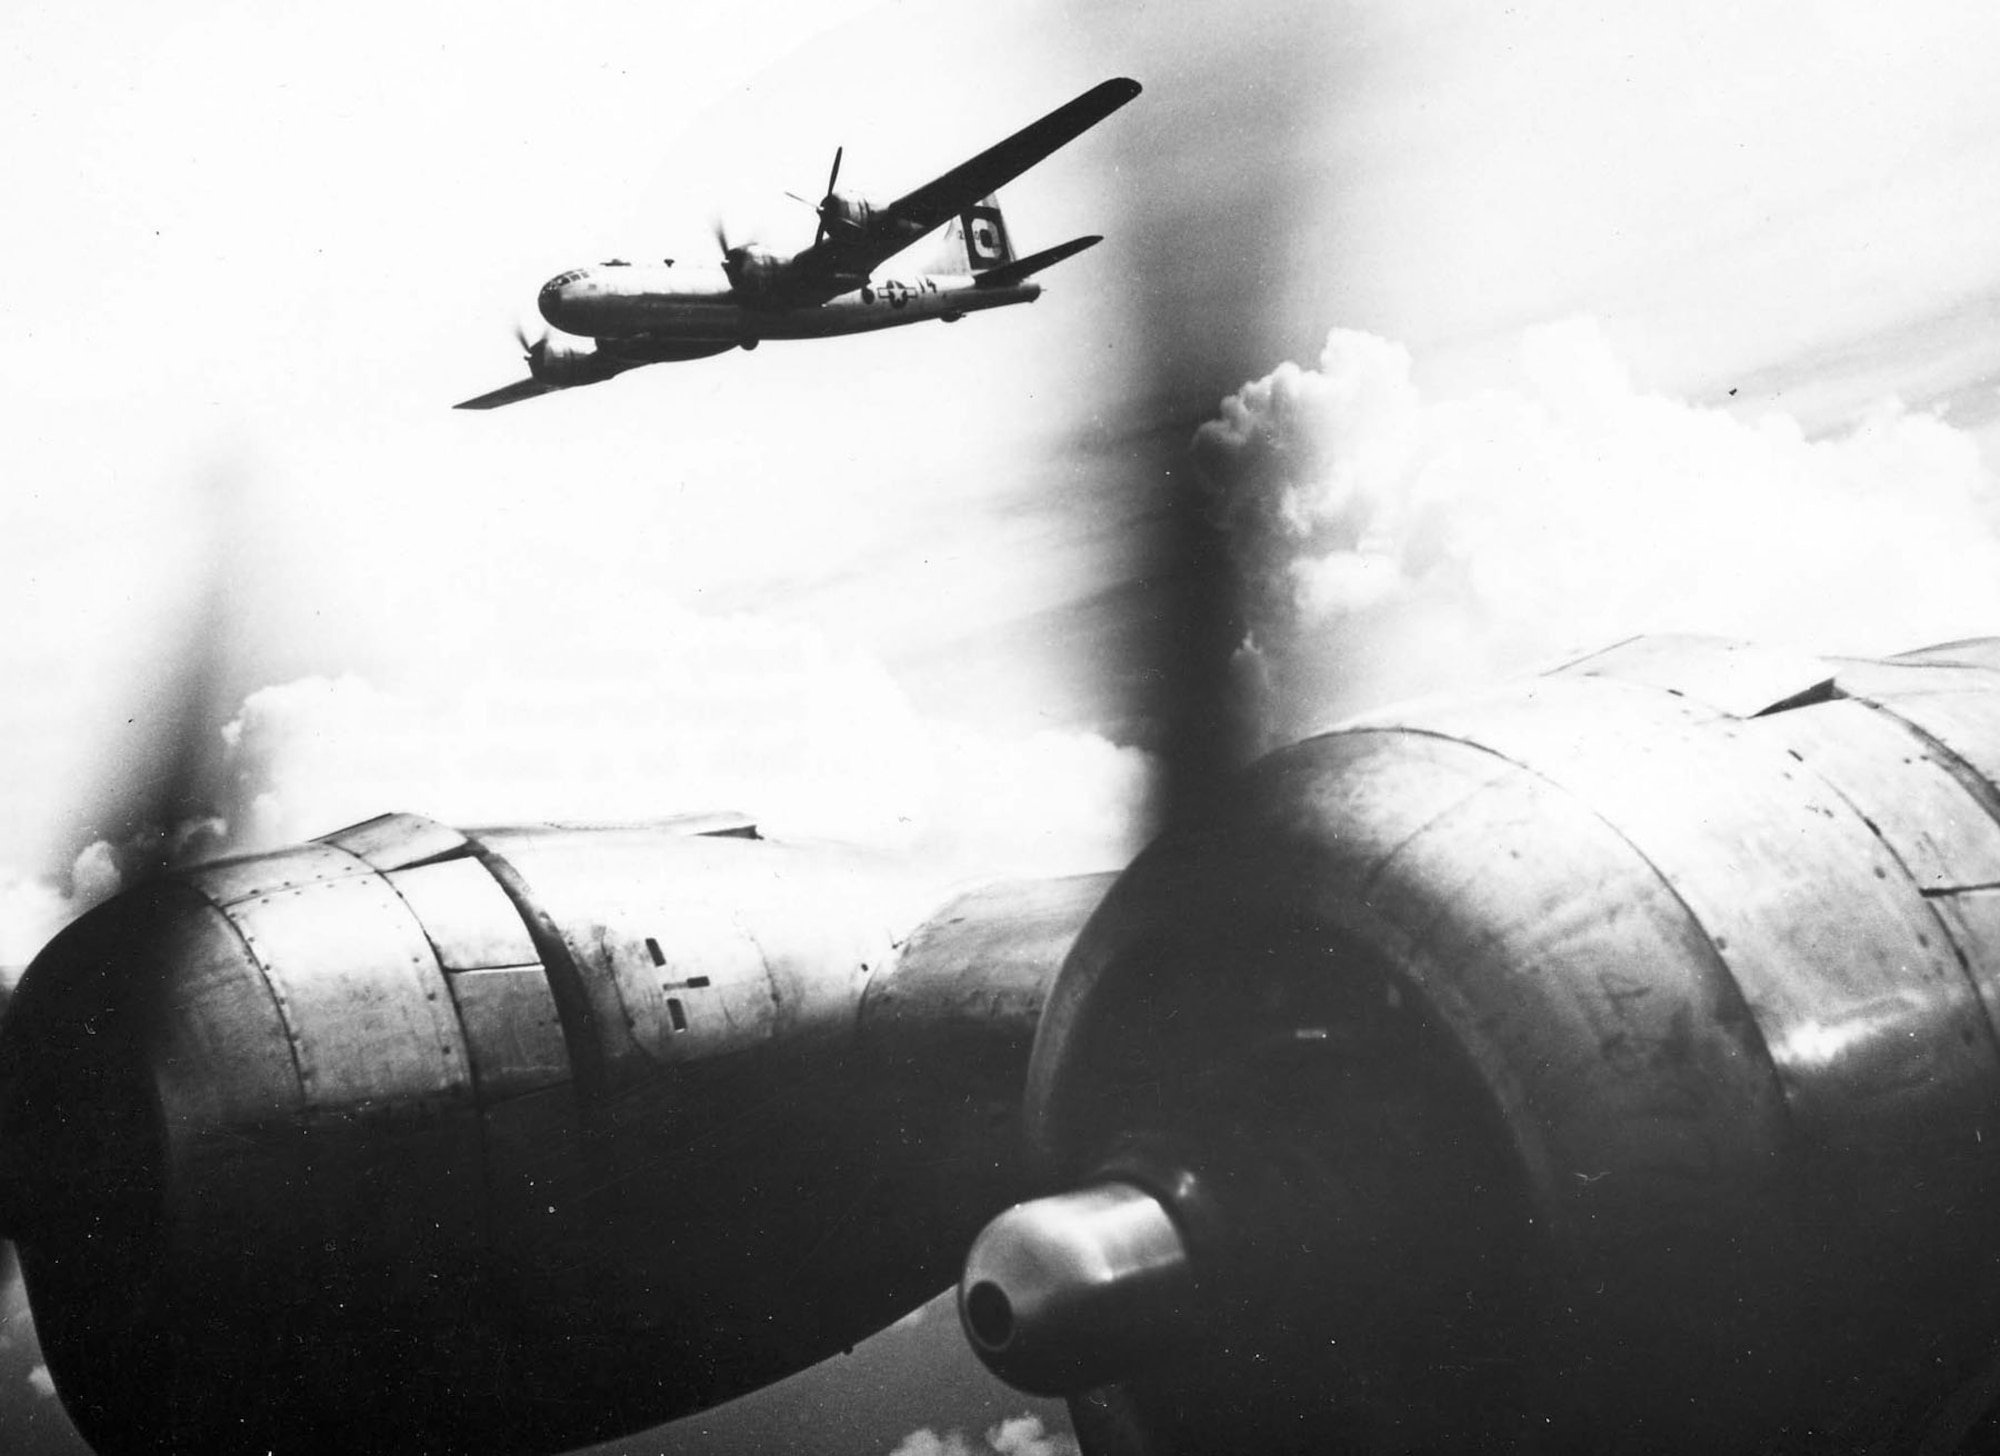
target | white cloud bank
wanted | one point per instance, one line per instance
(709, 713)
(693, 713)
(33, 907)
(1392, 545)
(1022, 1435)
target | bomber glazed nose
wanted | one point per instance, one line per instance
(555, 300)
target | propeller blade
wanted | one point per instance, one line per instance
(156, 803)
(826, 202)
(170, 776)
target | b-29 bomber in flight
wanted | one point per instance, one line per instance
(620, 315)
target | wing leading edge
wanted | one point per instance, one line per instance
(513, 393)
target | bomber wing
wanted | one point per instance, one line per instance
(513, 393)
(833, 264)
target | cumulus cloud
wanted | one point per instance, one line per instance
(31, 910)
(1389, 544)
(44, 1383)
(34, 907)
(697, 713)
(1025, 1435)
(732, 713)
(1022, 1435)
(926, 1442)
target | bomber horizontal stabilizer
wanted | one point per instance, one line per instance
(1014, 272)
(519, 390)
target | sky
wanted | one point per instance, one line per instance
(1485, 333)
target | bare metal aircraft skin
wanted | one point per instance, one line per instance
(621, 315)
(1599, 1063)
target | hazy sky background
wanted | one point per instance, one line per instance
(1538, 325)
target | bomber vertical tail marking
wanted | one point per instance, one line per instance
(985, 232)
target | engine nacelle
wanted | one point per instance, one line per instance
(563, 361)
(755, 273)
(1599, 1065)
(846, 216)
(414, 1140)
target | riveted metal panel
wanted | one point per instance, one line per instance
(723, 822)
(1368, 888)
(1627, 1068)
(691, 947)
(1943, 836)
(1886, 681)
(1967, 724)
(1973, 919)
(1735, 677)
(1596, 1008)
(982, 965)
(392, 841)
(1869, 1018)
(610, 892)
(470, 921)
(824, 926)
(228, 881)
(1975, 652)
(360, 991)
(511, 1031)
(224, 1056)
(719, 822)
(1593, 999)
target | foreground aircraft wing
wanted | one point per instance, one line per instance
(832, 265)
(519, 390)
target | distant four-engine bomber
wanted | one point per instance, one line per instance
(620, 315)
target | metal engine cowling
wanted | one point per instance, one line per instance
(1603, 1064)
(409, 1139)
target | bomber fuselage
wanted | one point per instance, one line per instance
(662, 302)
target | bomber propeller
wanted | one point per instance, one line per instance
(827, 202)
(148, 808)
(733, 254)
(534, 351)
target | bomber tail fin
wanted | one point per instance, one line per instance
(974, 242)
(1014, 271)
(984, 233)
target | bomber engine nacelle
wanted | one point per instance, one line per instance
(563, 361)
(755, 273)
(503, 1141)
(1604, 1064)
(846, 216)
